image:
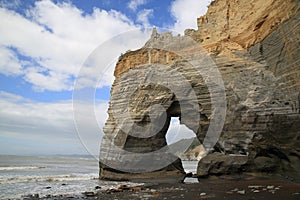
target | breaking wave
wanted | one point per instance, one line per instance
(20, 168)
(56, 178)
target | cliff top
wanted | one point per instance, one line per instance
(228, 24)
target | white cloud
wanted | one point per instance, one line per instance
(143, 17)
(56, 39)
(10, 3)
(134, 4)
(51, 123)
(186, 13)
(9, 63)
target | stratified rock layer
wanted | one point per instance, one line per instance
(255, 47)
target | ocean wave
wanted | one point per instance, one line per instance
(20, 168)
(55, 178)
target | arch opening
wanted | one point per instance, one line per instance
(178, 137)
(177, 132)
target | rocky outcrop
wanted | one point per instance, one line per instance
(234, 82)
(194, 152)
(262, 119)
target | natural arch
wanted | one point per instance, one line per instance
(252, 121)
(139, 105)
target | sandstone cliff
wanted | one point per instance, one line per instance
(254, 45)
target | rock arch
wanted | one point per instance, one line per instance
(260, 126)
(138, 103)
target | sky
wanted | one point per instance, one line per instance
(45, 48)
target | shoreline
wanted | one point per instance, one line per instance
(224, 187)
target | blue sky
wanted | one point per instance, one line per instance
(43, 46)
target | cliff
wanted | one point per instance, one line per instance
(234, 82)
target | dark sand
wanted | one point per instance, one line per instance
(225, 187)
(217, 189)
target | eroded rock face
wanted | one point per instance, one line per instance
(143, 100)
(262, 120)
(257, 55)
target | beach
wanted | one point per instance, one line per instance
(229, 187)
(44, 177)
(217, 189)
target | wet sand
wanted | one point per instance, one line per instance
(225, 187)
(214, 190)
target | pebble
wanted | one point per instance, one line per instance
(256, 191)
(272, 191)
(124, 187)
(270, 187)
(97, 187)
(202, 194)
(136, 188)
(234, 190)
(48, 187)
(155, 193)
(89, 194)
(241, 192)
(255, 186)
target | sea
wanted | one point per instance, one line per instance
(21, 176)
